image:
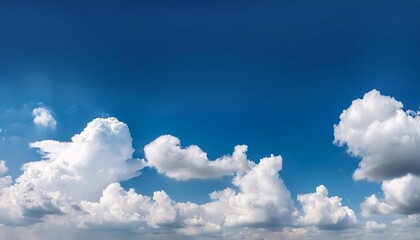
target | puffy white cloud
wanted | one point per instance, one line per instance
(162, 211)
(387, 138)
(43, 117)
(374, 226)
(401, 195)
(70, 172)
(263, 199)
(3, 168)
(325, 212)
(373, 206)
(99, 155)
(166, 155)
(116, 207)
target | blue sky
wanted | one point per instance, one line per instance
(274, 75)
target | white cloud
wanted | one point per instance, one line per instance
(166, 155)
(325, 212)
(21, 204)
(196, 226)
(71, 171)
(401, 195)
(116, 207)
(162, 211)
(43, 117)
(263, 199)
(387, 138)
(374, 226)
(3, 168)
(99, 155)
(373, 206)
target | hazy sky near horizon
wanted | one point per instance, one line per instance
(298, 119)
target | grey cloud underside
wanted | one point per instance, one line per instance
(397, 167)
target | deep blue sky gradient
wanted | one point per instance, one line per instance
(274, 75)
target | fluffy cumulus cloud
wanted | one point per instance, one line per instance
(116, 207)
(325, 212)
(401, 195)
(169, 158)
(103, 150)
(387, 138)
(43, 117)
(70, 172)
(263, 199)
(373, 206)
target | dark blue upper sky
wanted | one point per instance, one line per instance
(274, 75)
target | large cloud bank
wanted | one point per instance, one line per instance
(76, 185)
